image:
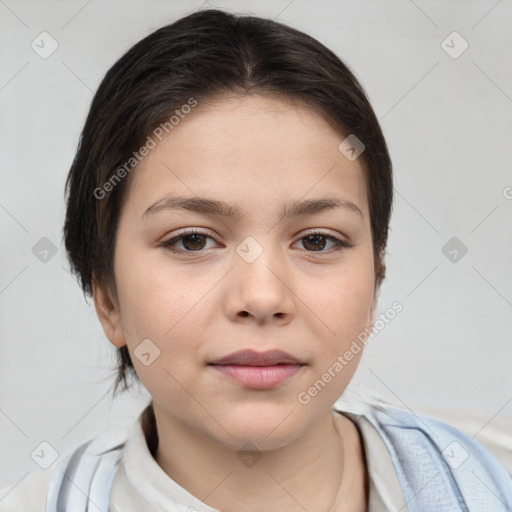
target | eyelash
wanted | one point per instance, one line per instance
(168, 244)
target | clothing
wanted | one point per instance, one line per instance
(404, 454)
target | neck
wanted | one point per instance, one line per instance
(288, 478)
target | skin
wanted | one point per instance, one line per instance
(204, 304)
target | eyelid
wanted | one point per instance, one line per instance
(191, 231)
(323, 232)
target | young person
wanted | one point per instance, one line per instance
(228, 210)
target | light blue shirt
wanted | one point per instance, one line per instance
(438, 468)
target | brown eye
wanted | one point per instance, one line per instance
(316, 242)
(193, 241)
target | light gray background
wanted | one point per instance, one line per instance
(448, 123)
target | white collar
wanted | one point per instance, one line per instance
(141, 484)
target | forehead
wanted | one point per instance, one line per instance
(250, 148)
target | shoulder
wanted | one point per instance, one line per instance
(402, 426)
(27, 494)
(85, 471)
(437, 462)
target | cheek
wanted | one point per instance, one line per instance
(344, 307)
(161, 302)
(343, 300)
(165, 307)
(148, 291)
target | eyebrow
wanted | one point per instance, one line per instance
(203, 205)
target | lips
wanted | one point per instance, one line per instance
(257, 370)
(253, 358)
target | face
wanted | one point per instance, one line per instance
(250, 278)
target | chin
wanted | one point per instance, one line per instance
(259, 440)
(266, 427)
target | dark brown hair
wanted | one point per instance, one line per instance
(203, 56)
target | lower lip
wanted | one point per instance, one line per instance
(259, 377)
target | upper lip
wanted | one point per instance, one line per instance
(255, 358)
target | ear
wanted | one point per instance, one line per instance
(108, 314)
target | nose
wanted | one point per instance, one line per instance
(261, 290)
